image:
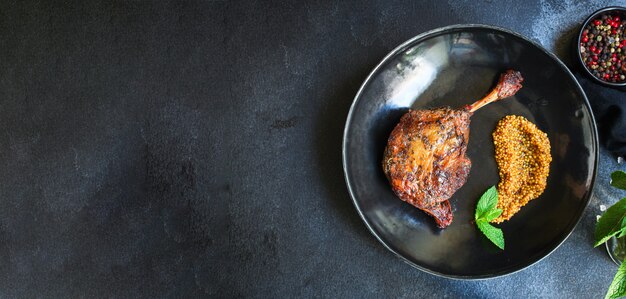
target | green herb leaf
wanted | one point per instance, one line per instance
(487, 202)
(492, 233)
(611, 223)
(493, 214)
(618, 179)
(622, 232)
(486, 211)
(618, 286)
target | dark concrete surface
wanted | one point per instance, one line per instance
(163, 149)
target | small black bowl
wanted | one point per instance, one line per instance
(598, 13)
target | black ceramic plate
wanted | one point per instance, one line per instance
(455, 66)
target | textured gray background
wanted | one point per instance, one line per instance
(163, 149)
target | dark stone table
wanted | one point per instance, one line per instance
(193, 149)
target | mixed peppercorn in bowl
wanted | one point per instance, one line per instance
(601, 46)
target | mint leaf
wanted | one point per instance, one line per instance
(622, 231)
(618, 286)
(611, 223)
(493, 214)
(492, 233)
(618, 179)
(487, 202)
(486, 211)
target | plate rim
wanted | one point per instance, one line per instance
(435, 32)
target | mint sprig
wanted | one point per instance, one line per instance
(486, 211)
(613, 223)
(618, 286)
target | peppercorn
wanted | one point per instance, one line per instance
(601, 43)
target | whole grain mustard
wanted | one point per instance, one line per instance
(523, 158)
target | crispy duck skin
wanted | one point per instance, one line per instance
(425, 159)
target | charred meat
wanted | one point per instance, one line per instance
(425, 158)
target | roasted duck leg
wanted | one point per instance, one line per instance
(425, 158)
